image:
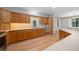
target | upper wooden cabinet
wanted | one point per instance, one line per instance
(25, 18)
(19, 18)
(14, 17)
(4, 16)
(44, 20)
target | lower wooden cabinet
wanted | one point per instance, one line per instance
(11, 37)
(38, 32)
(19, 35)
(63, 34)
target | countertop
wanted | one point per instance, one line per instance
(3, 34)
(5, 31)
(20, 29)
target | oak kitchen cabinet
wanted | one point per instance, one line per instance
(4, 26)
(4, 19)
(63, 34)
(23, 34)
(50, 25)
(5, 16)
(19, 35)
(38, 32)
(11, 37)
(48, 21)
(44, 20)
(19, 18)
(27, 18)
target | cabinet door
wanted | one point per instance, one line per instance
(15, 17)
(28, 34)
(19, 35)
(43, 20)
(19, 18)
(11, 37)
(61, 34)
(6, 16)
(41, 31)
(27, 19)
(35, 31)
(23, 18)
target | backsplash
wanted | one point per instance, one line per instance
(19, 25)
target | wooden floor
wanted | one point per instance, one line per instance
(35, 44)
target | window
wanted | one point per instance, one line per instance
(75, 22)
(57, 23)
(34, 23)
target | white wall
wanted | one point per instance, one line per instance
(70, 13)
(64, 23)
(55, 28)
(36, 19)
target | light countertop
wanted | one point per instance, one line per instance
(21, 29)
(2, 34)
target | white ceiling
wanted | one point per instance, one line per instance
(45, 11)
